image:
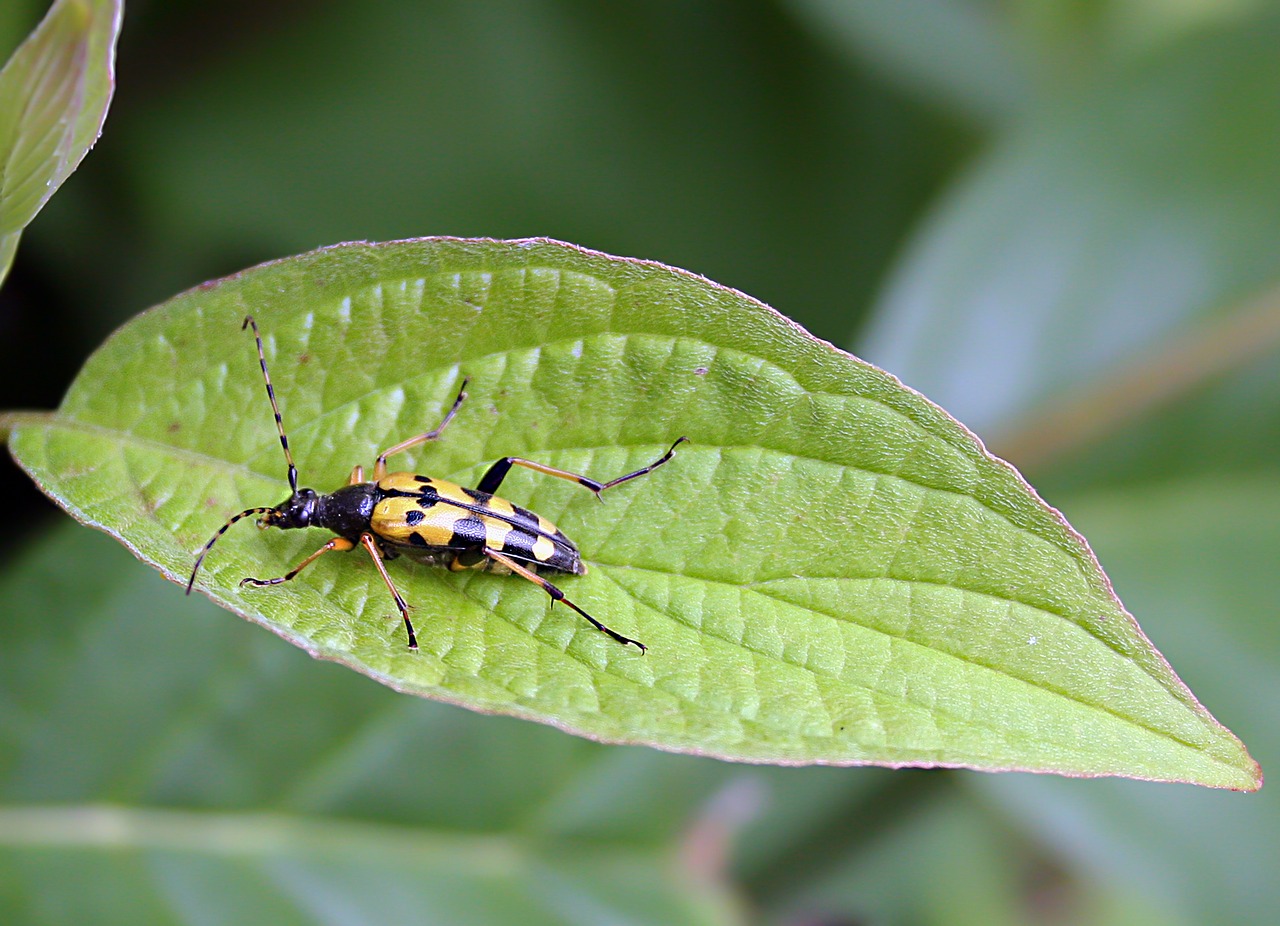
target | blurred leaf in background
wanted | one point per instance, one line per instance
(1065, 192)
(173, 765)
(54, 94)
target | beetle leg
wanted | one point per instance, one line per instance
(380, 466)
(341, 544)
(498, 471)
(557, 595)
(370, 543)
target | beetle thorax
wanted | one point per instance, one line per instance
(347, 511)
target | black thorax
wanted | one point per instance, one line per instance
(348, 511)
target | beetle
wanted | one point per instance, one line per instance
(427, 519)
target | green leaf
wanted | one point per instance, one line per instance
(226, 778)
(8, 247)
(950, 51)
(142, 864)
(54, 94)
(949, 859)
(1093, 230)
(832, 571)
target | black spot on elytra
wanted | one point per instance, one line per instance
(414, 518)
(418, 540)
(469, 530)
(519, 543)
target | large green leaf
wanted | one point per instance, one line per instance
(54, 94)
(832, 571)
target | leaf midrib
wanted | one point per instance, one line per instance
(226, 466)
(269, 446)
(53, 53)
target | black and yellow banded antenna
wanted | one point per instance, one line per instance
(214, 539)
(271, 394)
(284, 443)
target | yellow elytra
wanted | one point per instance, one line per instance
(429, 514)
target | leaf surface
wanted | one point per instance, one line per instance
(833, 570)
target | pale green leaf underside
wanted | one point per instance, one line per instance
(832, 570)
(54, 94)
(154, 866)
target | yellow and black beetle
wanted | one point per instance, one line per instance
(426, 519)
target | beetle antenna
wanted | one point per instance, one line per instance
(271, 394)
(214, 539)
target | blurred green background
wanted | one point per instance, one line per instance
(1060, 219)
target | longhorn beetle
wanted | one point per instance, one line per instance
(427, 519)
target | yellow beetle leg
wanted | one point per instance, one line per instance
(498, 471)
(340, 544)
(557, 595)
(380, 466)
(371, 545)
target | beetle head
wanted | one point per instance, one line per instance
(296, 511)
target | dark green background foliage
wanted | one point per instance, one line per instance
(1012, 206)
